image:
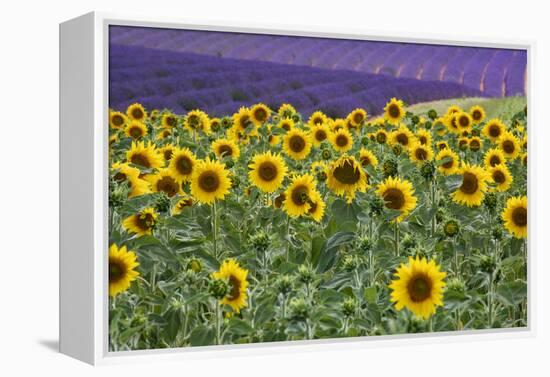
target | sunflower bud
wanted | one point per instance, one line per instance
(416, 325)
(118, 193)
(350, 263)
(457, 285)
(397, 149)
(229, 164)
(440, 215)
(365, 244)
(299, 309)
(218, 288)
(284, 284)
(487, 263)
(432, 114)
(490, 201)
(381, 138)
(376, 206)
(451, 228)
(415, 119)
(428, 125)
(305, 274)
(194, 265)
(408, 242)
(349, 307)
(296, 118)
(162, 203)
(259, 242)
(226, 122)
(475, 132)
(389, 168)
(427, 170)
(497, 233)
(365, 140)
(326, 154)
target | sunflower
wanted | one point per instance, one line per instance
(197, 120)
(166, 151)
(398, 195)
(366, 158)
(509, 144)
(463, 142)
(318, 167)
(451, 123)
(464, 121)
(420, 153)
(453, 109)
(402, 136)
(215, 124)
(141, 223)
(164, 133)
(450, 165)
(319, 133)
(226, 148)
(523, 158)
(297, 144)
(477, 113)
(440, 126)
(146, 156)
(260, 113)
(316, 119)
(337, 124)
(286, 124)
(424, 137)
(418, 287)
(286, 110)
(125, 173)
(296, 201)
(475, 144)
(267, 171)
(182, 203)
(500, 175)
(273, 140)
(113, 139)
(440, 145)
(210, 181)
(182, 163)
(341, 140)
(165, 181)
(393, 111)
(357, 117)
(117, 119)
(122, 269)
(473, 187)
(135, 129)
(494, 129)
(381, 136)
(236, 278)
(169, 120)
(317, 206)
(345, 176)
(136, 112)
(515, 216)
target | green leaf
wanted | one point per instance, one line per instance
(202, 336)
(512, 293)
(330, 247)
(239, 327)
(173, 319)
(371, 295)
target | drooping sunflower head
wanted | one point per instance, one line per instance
(117, 120)
(394, 111)
(169, 120)
(357, 117)
(424, 137)
(319, 133)
(402, 136)
(509, 145)
(297, 144)
(420, 153)
(122, 269)
(146, 156)
(182, 164)
(366, 158)
(448, 161)
(226, 148)
(346, 176)
(477, 113)
(316, 119)
(475, 143)
(515, 216)
(122, 172)
(341, 140)
(286, 110)
(494, 129)
(267, 171)
(135, 129)
(197, 120)
(210, 181)
(235, 276)
(297, 196)
(501, 177)
(317, 206)
(136, 112)
(418, 287)
(165, 180)
(141, 223)
(260, 113)
(474, 185)
(398, 194)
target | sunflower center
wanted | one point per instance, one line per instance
(235, 288)
(419, 288)
(225, 150)
(184, 165)
(116, 271)
(476, 114)
(358, 118)
(145, 222)
(193, 120)
(394, 111)
(168, 185)
(442, 146)
(167, 154)
(119, 177)
(300, 195)
(171, 121)
(494, 131)
(267, 171)
(449, 164)
(423, 139)
(474, 145)
(421, 154)
(519, 215)
(312, 208)
(260, 114)
(463, 121)
(297, 143)
(341, 140)
(320, 135)
(209, 181)
(137, 113)
(347, 173)
(494, 161)
(118, 120)
(469, 183)
(499, 177)
(141, 160)
(136, 132)
(286, 126)
(381, 138)
(279, 200)
(402, 139)
(365, 160)
(394, 198)
(317, 120)
(244, 121)
(508, 146)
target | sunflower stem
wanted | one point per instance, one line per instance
(396, 239)
(434, 220)
(215, 229)
(218, 324)
(287, 245)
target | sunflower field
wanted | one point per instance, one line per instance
(269, 225)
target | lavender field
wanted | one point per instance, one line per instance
(219, 72)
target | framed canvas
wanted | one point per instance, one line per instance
(227, 188)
